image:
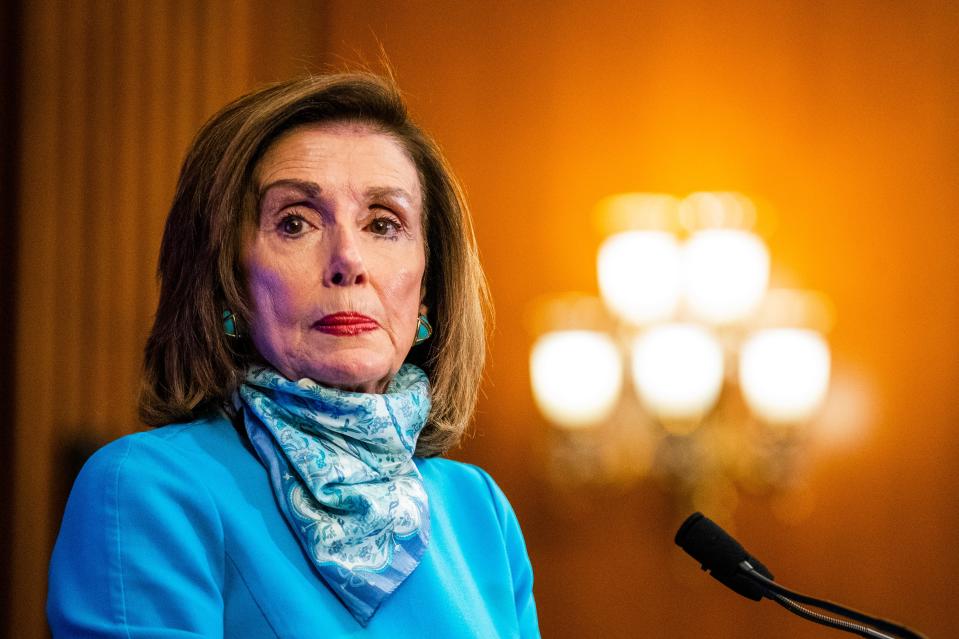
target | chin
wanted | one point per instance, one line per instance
(369, 374)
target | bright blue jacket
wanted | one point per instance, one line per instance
(175, 533)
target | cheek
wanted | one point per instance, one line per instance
(275, 294)
(402, 294)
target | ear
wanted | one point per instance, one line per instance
(423, 308)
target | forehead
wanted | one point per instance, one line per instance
(341, 155)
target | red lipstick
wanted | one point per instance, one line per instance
(345, 324)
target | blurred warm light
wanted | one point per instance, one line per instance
(577, 377)
(795, 308)
(784, 374)
(637, 211)
(677, 370)
(640, 275)
(707, 210)
(684, 286)
(849, 410)
(569, 311)
(726, 274)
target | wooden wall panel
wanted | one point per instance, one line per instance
(39, 387)
(10, 136)
(111, 95)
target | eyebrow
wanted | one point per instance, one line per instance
(389, 191)
(310, 189)
(313, 190)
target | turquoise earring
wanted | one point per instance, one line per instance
(229, 323)
(423, 330)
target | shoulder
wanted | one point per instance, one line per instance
(142, 468)
(175, 448)
(447, 472)
(141, 522)
(139, 492)
(473, 513)
(467, 483)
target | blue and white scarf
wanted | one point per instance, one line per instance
(341, 466)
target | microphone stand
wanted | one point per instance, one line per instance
(788, 599)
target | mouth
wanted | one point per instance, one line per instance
(345, 324)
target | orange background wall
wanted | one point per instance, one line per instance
(843, 115)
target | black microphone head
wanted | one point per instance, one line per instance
(720, 554)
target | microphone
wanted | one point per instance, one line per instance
(720, 555)
(727, 561)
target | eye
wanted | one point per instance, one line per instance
(292, 225)
(385, 226)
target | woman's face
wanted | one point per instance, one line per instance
(335, 265)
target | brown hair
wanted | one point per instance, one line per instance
(191, 366)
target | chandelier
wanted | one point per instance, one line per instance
(688, 368)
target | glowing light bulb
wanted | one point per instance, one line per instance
(577, 377)
(640, 275)
(678, 370)
(726, 274)
(784, 374)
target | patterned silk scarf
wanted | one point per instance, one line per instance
(341, 466)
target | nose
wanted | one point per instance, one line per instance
(345, 266)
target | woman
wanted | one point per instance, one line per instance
(319, 341)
